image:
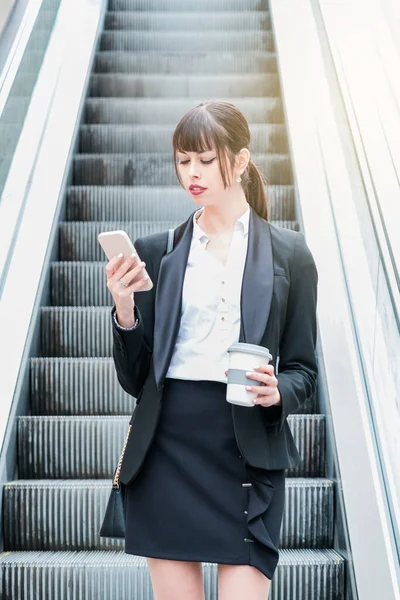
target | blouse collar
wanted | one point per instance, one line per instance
(242, 224)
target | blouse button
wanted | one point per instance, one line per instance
(222, 282)
(222, 318)
(223, 299)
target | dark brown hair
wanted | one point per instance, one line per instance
(222, 126)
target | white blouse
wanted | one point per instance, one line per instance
(210, 317)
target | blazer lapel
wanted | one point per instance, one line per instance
(258, 281)
(168, 300)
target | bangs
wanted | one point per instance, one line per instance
(197, 132)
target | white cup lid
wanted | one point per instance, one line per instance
(250, 349)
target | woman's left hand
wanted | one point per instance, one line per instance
(268, 393)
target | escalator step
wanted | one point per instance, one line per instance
(179, 63)
(133, 41)
(77, 386)
(78, 240)
(158, 138)
(169, 86)
(79, 284)
(158, 169)
(187, 21)
(115, 575)
(55, 522)
(89, 446)
(170, 110)
(89, 386)
(102, 203)
(76, 283)
(76, 332)
(189, 5)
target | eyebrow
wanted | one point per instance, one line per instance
(182, 152)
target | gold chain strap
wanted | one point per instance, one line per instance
(116, 478)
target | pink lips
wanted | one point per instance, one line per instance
(196, 188)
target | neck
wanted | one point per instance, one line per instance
(216, 220)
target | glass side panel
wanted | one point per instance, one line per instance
(15, 110)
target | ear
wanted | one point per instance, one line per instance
(242, 159)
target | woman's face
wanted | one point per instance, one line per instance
(201, 176)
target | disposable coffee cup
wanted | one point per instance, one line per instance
(242, 358)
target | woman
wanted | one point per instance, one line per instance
(204, 480)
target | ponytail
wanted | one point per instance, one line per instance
(254, 189)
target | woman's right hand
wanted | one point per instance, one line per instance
(130, 270)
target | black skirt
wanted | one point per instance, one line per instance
(195, 498)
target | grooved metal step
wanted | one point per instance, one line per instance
(170, 110)
(185, 62)
(187, 21)
(190, 5)
(89, 386)
(114, 575)
(158, 169)
(77, 386)
(54, 521)
(239, 40)
(139, 203)
(89, 446)
(166, 86)
(78, 241)
(155, 138)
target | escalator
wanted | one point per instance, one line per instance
(150, 68)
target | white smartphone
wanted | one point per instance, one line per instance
(115, 242)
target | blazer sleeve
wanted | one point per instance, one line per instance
(132, 350)
(297, 367)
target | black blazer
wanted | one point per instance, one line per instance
(278, 311)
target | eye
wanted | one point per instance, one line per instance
(204, 162)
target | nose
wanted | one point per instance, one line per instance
(193, 169)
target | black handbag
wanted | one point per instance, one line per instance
(114, 518)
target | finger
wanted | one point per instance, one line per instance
(263, 377)
(261, 390)
(269, 369)
(137, 285)
(262, 402)
(130, 275)
(135, 274)
(126, 265)
(113, 264)
(123, 292)
(135, 280)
